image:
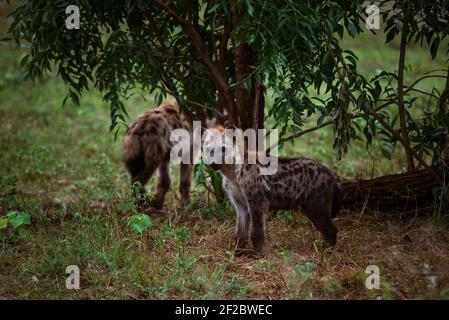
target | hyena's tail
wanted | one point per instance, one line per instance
(133, 155)
(336, 200)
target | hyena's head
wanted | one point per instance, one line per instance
(222, 147)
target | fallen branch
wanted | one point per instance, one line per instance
(405, 193)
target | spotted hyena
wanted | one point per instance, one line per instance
(298, 184)
(146, 147)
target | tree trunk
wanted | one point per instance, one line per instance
(405, 193)
(249, 93)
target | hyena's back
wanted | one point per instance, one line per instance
(304, 184)
(147, 140)
(147, 145)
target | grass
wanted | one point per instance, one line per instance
(62, 167)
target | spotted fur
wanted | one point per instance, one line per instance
(147, 146)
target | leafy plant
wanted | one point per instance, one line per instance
(284, 254)
(333, 289)
(3, 222)
(139, 222)
(15, 220)
(304, 270)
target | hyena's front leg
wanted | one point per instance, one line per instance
(186, 181)
(242, 211)
(242, 224)
(163, 185)
(258, 209)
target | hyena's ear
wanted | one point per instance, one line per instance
(229, 125)
(219, 119)
(210, 123)
(170, 104)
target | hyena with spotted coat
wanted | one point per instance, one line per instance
(298, 184)
(147, 146)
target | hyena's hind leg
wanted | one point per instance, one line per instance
(318, 210)
(163, 184)
(185, 183)
(140, 168)
(138, 182)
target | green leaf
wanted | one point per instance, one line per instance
(3, 222)
(391, 34)
(319, 122)
(137, 223)
(434, 47)
(16, 219)
(310, 266)
(386, 153)
(24, 74)
(352, 29)
(214, 8)
(199, 172)
(158, 98)
(377, 90)
(250, 7)
(74, 98)
(330, 27)
(216, 177)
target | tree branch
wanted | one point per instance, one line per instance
(410, 87)
(422, 92)
(218, 79)
(398, 136)
(401, 105)
(327, 123)
(299, 134)
(223, 48)
(443, 112)
(166, 51)
(222, 52)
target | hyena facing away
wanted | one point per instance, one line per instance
(146, 147)
(298, 184)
